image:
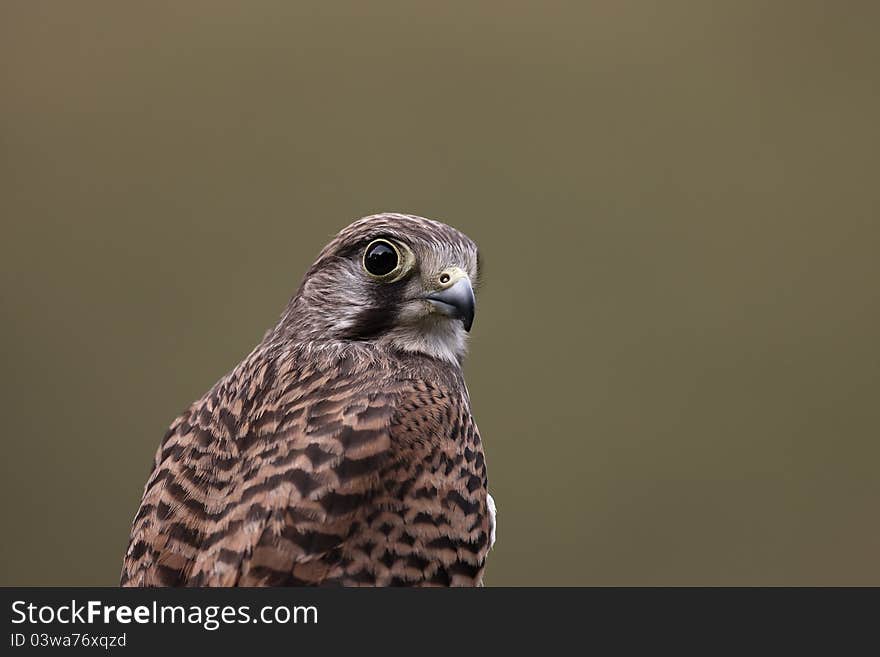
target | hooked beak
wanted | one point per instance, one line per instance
(456, 301)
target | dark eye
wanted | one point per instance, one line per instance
(380, 258)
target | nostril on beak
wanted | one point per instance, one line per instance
(456, 300)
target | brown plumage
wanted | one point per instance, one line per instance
(342, 449)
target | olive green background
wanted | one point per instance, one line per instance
(675, 362)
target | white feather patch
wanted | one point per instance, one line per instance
(493, 523)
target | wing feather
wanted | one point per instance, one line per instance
(254, 487)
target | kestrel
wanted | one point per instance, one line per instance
(341, 450)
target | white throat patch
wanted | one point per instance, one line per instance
(443, 339)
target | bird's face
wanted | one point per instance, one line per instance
(398, 280)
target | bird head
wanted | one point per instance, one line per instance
(398, 280)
